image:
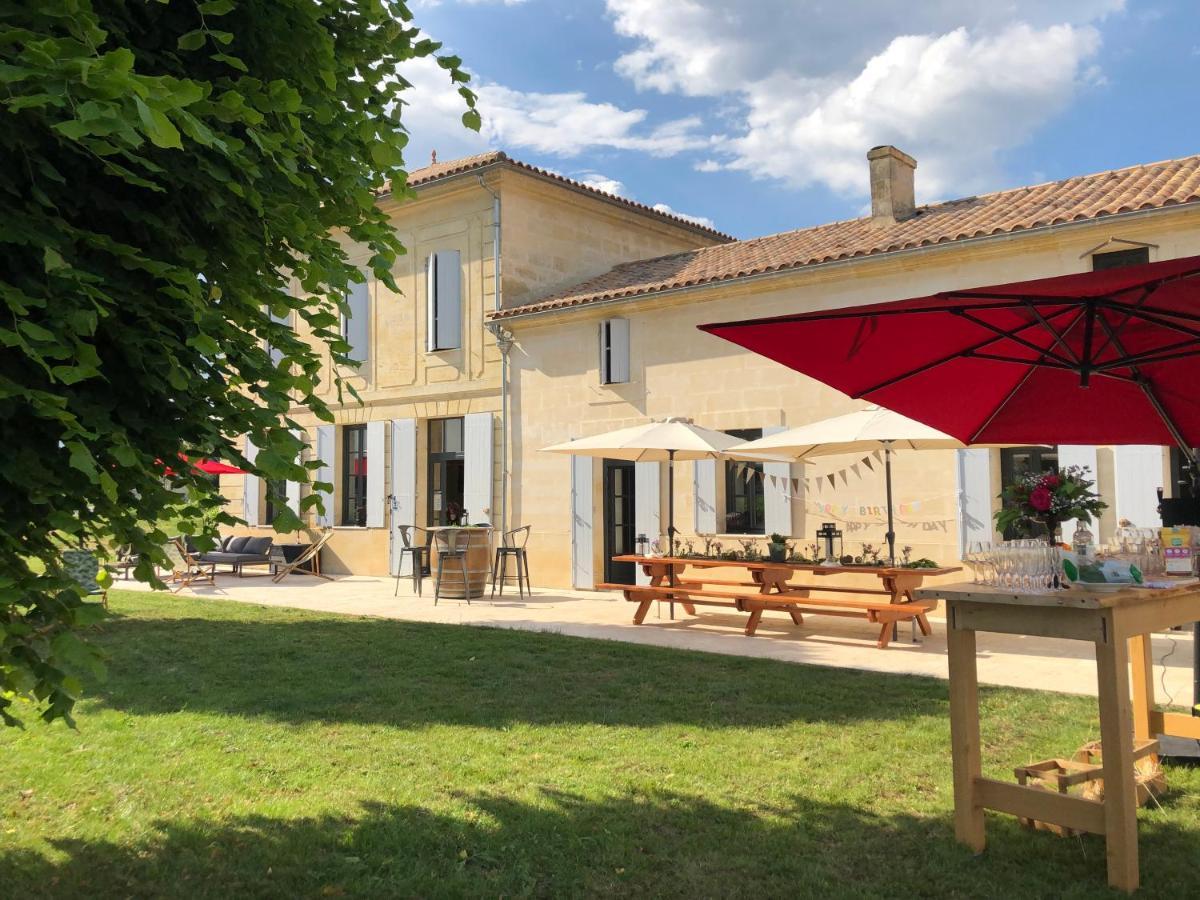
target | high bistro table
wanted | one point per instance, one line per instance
(476, 541)
(1118, 625)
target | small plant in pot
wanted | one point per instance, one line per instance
(777, 549)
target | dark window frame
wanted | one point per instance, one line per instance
(1116, 259)
(274, 495)
(354, 475)
(439, 458)
(751, 491)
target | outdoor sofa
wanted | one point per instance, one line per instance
(239, 552)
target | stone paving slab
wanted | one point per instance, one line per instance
(1015, 661)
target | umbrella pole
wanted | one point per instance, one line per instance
(887, 475)
(671, 502)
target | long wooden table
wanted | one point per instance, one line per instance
(770, 588)
(1118, 625)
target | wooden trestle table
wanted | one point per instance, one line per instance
(1118, 625)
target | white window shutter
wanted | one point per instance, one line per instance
(777, 505)
(1077, 455)
(582, 570)
(477, 467)
(604, 367)
(292, 488)
(618, 337)
(974, 476)
(404, 489)
(250, 486)
(356, 324)
(1138, 476)
(443, 289)
(325, 453)
(647, 506)
(375, 473)
(705, 493)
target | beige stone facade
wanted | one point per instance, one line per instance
(677, 370)
(552, 233)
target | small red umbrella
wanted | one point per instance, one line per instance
(1107, 357)
(212, 467)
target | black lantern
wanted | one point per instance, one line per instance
(827, 535)
(642, 541)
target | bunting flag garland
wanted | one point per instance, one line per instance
(866, 461)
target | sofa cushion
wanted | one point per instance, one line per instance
(236, 545)
(258, 546)
(224, 542)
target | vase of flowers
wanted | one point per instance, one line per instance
(1048, 499)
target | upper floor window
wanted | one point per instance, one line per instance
(1117, 258)
(356, 321)
(745, 505)
(443, 291)
(614, 351)
(286, 320)
(354, 475)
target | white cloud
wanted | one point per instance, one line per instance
(699, 220)
(600, 183)
(563, 124)
(806, 90)
(707, 165)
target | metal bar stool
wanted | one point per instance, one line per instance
(416, 545)
(512, 544)
(452, 546)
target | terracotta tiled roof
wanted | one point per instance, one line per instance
(439, 170)
(1086, 197)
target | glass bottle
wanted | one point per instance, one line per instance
(1082, 542)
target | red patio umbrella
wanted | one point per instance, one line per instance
(213, 467)
(1108, 357)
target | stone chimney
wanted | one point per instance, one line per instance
(891, 185)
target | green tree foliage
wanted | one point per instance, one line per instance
(168, 167)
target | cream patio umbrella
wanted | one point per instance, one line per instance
(668, 440)
(874, 428)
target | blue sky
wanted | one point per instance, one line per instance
(757, 115)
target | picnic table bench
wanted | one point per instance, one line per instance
(769, 588)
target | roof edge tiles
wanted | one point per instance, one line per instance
(1081, 199)
(440, 171)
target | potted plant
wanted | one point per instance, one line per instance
(777, 549)
(1037, 500)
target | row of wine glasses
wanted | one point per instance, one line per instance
(1022, 566)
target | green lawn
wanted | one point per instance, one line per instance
(246, 751)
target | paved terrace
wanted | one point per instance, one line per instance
(1015, 661)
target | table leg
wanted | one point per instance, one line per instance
(1116, 737)
(964, 736)
(1143, 685)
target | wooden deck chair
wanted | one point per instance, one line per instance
(310, 554)
(186, 568)
(84, 567)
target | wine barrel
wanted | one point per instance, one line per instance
(478, 560)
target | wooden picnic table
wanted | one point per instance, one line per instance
(769, 587)
(1118, 625)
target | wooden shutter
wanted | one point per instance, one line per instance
(325, 453)
(477, 467)
(356, 324)
(705, 493)
(404, 489)
(974, 476)
(292, 488)
(375, 473)
(443, 289)
(777, 507)
(1138, 476)
(250, 486)
(582, 546)
(647, 506)
(1077, 455)
(604, 367)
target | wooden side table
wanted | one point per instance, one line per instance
(1118, 625)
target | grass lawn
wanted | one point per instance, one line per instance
(246, 751)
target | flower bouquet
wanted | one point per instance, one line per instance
(1048, 500)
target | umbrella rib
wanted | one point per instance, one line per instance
(1001, 333)
(1147, 359)
(1144, 384)
(995, 357)
(1003, 403)
(955, 355)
